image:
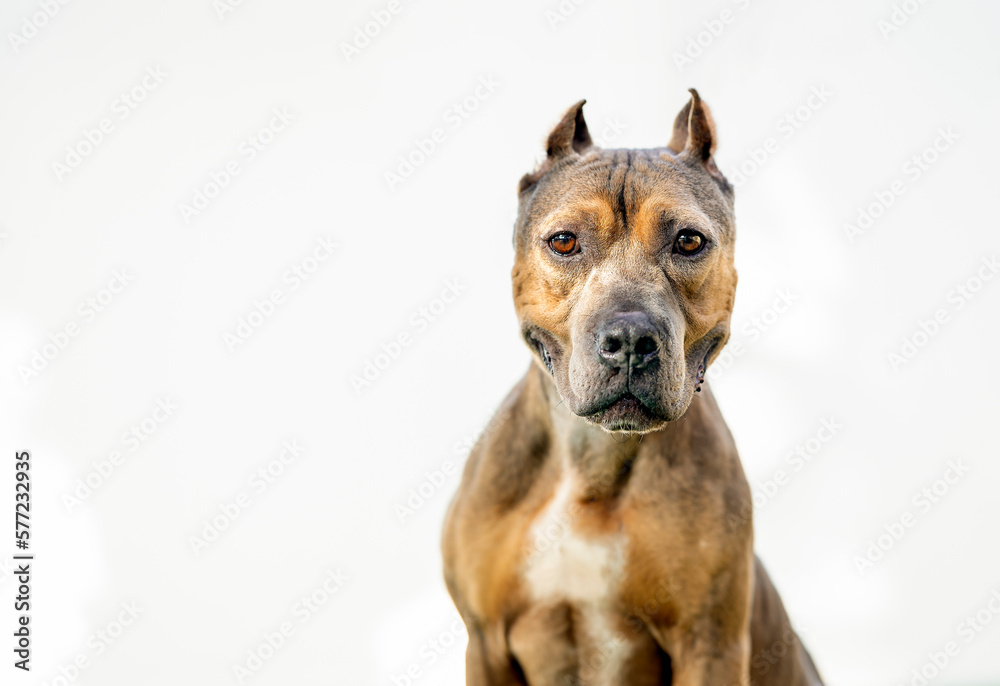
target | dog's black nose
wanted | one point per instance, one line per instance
(628, 339)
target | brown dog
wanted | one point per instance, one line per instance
(601, 533)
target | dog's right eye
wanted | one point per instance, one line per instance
(564, 243)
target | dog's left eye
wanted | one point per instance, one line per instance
(564, 243)
(689, 242)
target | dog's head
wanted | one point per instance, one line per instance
(623, 276)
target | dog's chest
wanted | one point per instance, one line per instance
(567, 560)
(574, 564)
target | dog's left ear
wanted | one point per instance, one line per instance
(694, 136)
(694, 130)
(570, 137)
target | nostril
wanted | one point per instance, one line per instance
(645, 346)
(611, 345)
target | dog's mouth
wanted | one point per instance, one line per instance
(620, 403)
(625, 413)
(624, 405)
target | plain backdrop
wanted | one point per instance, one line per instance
(886, 331)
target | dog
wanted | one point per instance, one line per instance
(602, 531)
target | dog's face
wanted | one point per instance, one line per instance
(623, 277)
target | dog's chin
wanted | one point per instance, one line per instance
(628, 414)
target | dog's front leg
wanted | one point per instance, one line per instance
(703, 664)
(487, 665)
(711, 644)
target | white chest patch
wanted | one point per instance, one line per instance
(565, 565)
(584, 571)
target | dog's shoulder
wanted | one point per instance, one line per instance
(505, 460)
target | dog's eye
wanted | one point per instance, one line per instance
(564, 243)
(689, 242)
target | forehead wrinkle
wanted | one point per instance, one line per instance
(654, 193)
(615, 191)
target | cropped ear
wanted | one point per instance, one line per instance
(569, 137)
(694, 130)
(570, 134)
(693, 139)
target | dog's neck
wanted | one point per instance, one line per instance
(602, 461)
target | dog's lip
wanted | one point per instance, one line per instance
(536, 338)
(708, 353)
(623, 403)
(716, 336)
(625, 413)
(703, 367)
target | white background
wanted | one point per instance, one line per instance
(333, 508)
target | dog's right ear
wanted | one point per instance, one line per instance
(569, 137)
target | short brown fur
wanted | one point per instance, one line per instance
(693, 604)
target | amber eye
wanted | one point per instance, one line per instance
(563, 243)
(689, 242)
